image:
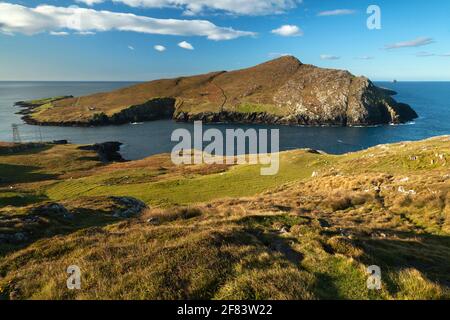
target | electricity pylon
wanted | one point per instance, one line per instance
(16, 134)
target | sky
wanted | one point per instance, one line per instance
(138, 40)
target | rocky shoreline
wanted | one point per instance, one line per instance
(291, 120)
(156, 109)
(391, 115)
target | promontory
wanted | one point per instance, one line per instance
(280, 91)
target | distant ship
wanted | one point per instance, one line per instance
(394, 81)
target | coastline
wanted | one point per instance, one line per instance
(162, 109)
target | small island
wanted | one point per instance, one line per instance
(282, 91)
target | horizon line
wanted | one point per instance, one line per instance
(118, 81)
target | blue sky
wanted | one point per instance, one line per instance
(61, 42)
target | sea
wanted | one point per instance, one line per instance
(431, 100)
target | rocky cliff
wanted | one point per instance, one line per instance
(281, 91)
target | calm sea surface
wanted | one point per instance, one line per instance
(431, 100)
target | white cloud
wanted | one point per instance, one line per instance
(196, 7)
(278, 54)
(329, 57)
(337, 12)
(61, 33)
(20, 19)
(419, 42)
(159, 48)
(425, 54)
(186, 45)
(90, 2)
(131, 47)
(85, 33)
(288, 31)
(365, 58)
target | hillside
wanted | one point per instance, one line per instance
(281, 91)
(221, 232)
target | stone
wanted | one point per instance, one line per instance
(284, 230)
(153, 221)
(54, 209)
(132, 207)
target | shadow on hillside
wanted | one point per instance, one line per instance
(40, 226)
(18, 200)
(429, 254)
(277, 244)
(11, 173)
(24, 149)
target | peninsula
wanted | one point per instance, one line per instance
(282, 91)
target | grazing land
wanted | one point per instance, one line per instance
(150, 230)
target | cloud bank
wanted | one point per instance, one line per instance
(195, 7)
(337, 12)
(364, 58)
(424, 54)
(46, 18)
(419, 42)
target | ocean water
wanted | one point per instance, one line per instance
(431, 100)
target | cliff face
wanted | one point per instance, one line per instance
(282, 91)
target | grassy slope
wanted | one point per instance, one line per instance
(387, 205)
(248, 90)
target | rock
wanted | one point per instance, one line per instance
(31, 219)
(107, 151)
(402, 190)
(15, 238)
(153, 221)
(60, 142)
(54, 209)
(284, 230)
(324, 223)
(378, 235)
(14, 295)
(117, 214)
(132, 206)
(20, 237)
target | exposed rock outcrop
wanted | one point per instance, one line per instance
(130, 207)
(107, 151)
